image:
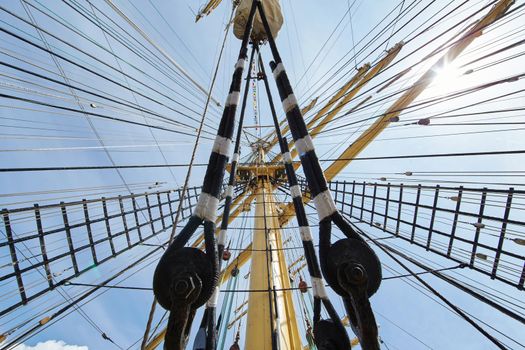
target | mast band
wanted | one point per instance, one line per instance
(304, 145)
(325, 205)
(222, 237)
(289, 103)
(318, 288)
(222, 145)
(206, 207)
(240, 64)
(278, 70)
(295, 191)
(229, 191)
(212, 302)
(306, 234)
(233, 98)
(287, 158)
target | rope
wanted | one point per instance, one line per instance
(188, 173)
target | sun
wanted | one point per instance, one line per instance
(447, 78)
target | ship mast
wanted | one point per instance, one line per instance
(271, 316)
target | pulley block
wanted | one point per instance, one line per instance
(179, 273)
(352, 254)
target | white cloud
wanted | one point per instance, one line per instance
(51, 345)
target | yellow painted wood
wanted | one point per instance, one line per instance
(286, 128)
(417, 88)
(391, 54)
(263, 264)
(208, 8)
(323, 111)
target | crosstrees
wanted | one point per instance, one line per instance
(453, 222)
(60, 246)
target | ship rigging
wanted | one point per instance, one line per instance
(267, 237)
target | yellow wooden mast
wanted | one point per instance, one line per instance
(269, 311)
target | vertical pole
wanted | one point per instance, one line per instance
(399, 209)
(343, 198)
(188, 198)
(502, 233)
(161, 212)
(432, 218)
(148, 207)
(455, 222)
(108, 226)
(136, 216)
(68, 237)
(362, 201)
(89, 232)
(416, 208)
(43, 249)
(336, 190)
(14, 258)
(373, 205)
(124, 222)
(387, 203)
(258, 331)
(181, 205)
(169, 205)
(352, 201)
(478, 228)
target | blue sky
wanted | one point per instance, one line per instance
(49, 137)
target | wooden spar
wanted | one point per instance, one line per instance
(362, 80)
(417, 88)
(270, 314)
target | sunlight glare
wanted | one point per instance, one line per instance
(447, 78)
